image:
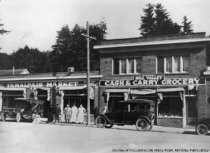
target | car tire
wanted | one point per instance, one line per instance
(142, 124)
(109, 125)
(100, 122)
(18, 117)
(202, 129)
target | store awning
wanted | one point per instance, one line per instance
(142, 92)
(73, 88)
(117, 90)
(170, 89)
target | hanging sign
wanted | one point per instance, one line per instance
(151, 80)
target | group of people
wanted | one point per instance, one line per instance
(74, 114)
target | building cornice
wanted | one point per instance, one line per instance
(152, 43)
(49, 78)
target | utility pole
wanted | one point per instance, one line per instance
(88, 37)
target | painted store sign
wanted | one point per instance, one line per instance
(36, 85)
(151, 80)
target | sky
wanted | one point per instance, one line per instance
(35, 22)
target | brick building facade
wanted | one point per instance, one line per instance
(169, 70)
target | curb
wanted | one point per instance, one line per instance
(127, 127)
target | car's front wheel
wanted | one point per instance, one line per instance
(100, 122)
(109, 125)
(142, 124)
(202, 129)
(18, 117)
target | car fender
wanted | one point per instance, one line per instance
(145, 117)
(108, 121)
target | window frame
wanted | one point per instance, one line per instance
(127, 65)
(181, 64)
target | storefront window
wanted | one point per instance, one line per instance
(170, 107)
(113, 100)
(9, 97)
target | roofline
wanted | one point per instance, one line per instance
(50, 78)
(160, 42)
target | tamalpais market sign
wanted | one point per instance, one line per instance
(150, 80)
(38, 85)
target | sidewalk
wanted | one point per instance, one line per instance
(155, 128)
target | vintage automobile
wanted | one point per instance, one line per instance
(203, 126)
(22, 109)
(136, 111)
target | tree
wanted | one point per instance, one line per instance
(186, 26)
(29, 58)
(62, 55)
(70, 48)
(5, 61)
(148, 21)
(99, 32)
(157, 21)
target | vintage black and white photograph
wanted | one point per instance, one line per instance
(104, 76)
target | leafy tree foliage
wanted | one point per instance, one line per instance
(186, 26)
(148, 21)
(61, 55)
(70, 48)
(29, 58)
(157, 21)
(5, 61)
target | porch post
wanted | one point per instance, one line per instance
(62, 101)
(184, 120)
(1, 101)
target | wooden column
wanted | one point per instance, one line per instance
(1, 101)
(184, 112)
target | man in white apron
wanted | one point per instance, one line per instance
(73, 114)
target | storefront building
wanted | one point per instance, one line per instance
(71, 86)
(168, 70)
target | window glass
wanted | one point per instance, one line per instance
(176, 64)
(168, 61)
(185, 64)
(160, 64)
(138, 65)
(130, 66)
(116, 66)
(123, 66)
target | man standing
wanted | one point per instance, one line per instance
(67, 113)
(80, 116)
(73, 114)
